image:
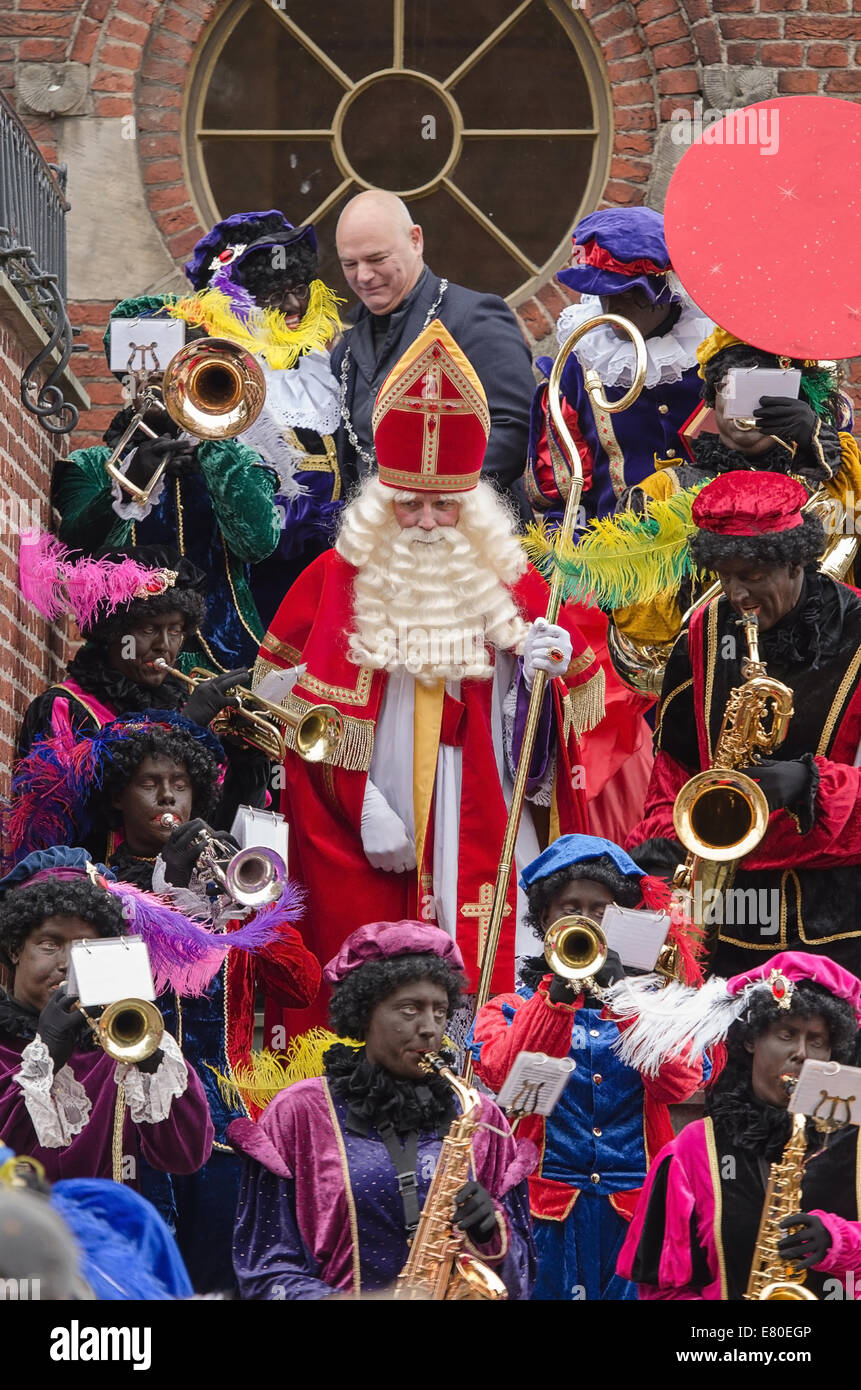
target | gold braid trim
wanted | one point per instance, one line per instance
(583, 707)
(355, 749)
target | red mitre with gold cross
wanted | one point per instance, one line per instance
(431, 420)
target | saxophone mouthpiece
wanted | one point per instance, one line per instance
(788, 1082)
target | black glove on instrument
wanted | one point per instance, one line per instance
(808, 1243)
(181, 851)
(60, 1026)
(474, 1212)
(612, 971)
(793, 421)
(211, 697)
(784, 784)
(151, 453)
(151, 1063)
(562, 991)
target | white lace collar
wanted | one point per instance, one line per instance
(613, 358)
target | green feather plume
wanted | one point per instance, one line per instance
(622, 559)
(819, 388)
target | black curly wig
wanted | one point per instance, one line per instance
(24, 909)
(750, 1122)
(818, 384)
(626, 892)
(356, 996)
(801, 546)
(177, 745)
(259, 272)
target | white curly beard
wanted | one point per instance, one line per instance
(432, 603)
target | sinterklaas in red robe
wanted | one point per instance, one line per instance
(323, 801)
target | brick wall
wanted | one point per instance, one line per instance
(33, 651)
(138, 52)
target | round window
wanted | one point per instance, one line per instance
(492, 119)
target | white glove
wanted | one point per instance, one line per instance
(547, 648)
(385, 839)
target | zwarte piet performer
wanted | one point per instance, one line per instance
(695, 1228)
(339, 1166)
(751, 531)
(610, 1120)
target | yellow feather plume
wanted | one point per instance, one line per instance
(264, 331)
(258, 1080)
(622, 559)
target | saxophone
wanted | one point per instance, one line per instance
(721, 814)
(771, 1278)
(438, 1268)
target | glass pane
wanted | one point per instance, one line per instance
(505, 89)
(412, 109)
(264, 79)
(355, 34)
(459, 248)
(510, 178)
(438, 49)
(246, 175)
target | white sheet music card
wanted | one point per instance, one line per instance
(636, 933)
(256, 829)
(149, 343)
(828, 1092)
(110, 968)
(535, 1083)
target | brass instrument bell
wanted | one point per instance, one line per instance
(213, 388)
(129, 1030)
(575, 947)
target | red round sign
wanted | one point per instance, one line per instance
(761, 221)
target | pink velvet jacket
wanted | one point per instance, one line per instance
(693, 1191)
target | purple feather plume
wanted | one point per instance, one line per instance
(185, 955)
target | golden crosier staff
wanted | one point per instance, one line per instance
(595, 388)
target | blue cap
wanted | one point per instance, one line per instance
(574, 849)
(43, 861)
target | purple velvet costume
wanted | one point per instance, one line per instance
(319, 1209)
(181, 1143)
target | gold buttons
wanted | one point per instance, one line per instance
(595, 1177)
(597, 1078)
(662, 409)
(593, 1032)
(597, 1132)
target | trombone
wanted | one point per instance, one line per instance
(212, 388)
(317, 733)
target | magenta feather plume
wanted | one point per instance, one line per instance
(99, 587)
(184, 954)
(43, 567)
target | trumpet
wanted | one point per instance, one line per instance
(317, 733)
(212, 388)
(129, 1030)
(575, 947)
(251, 877)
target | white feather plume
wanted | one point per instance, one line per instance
(669, 1021)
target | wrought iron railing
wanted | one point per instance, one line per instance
(33, 211)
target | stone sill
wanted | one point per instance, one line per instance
(32, 337)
